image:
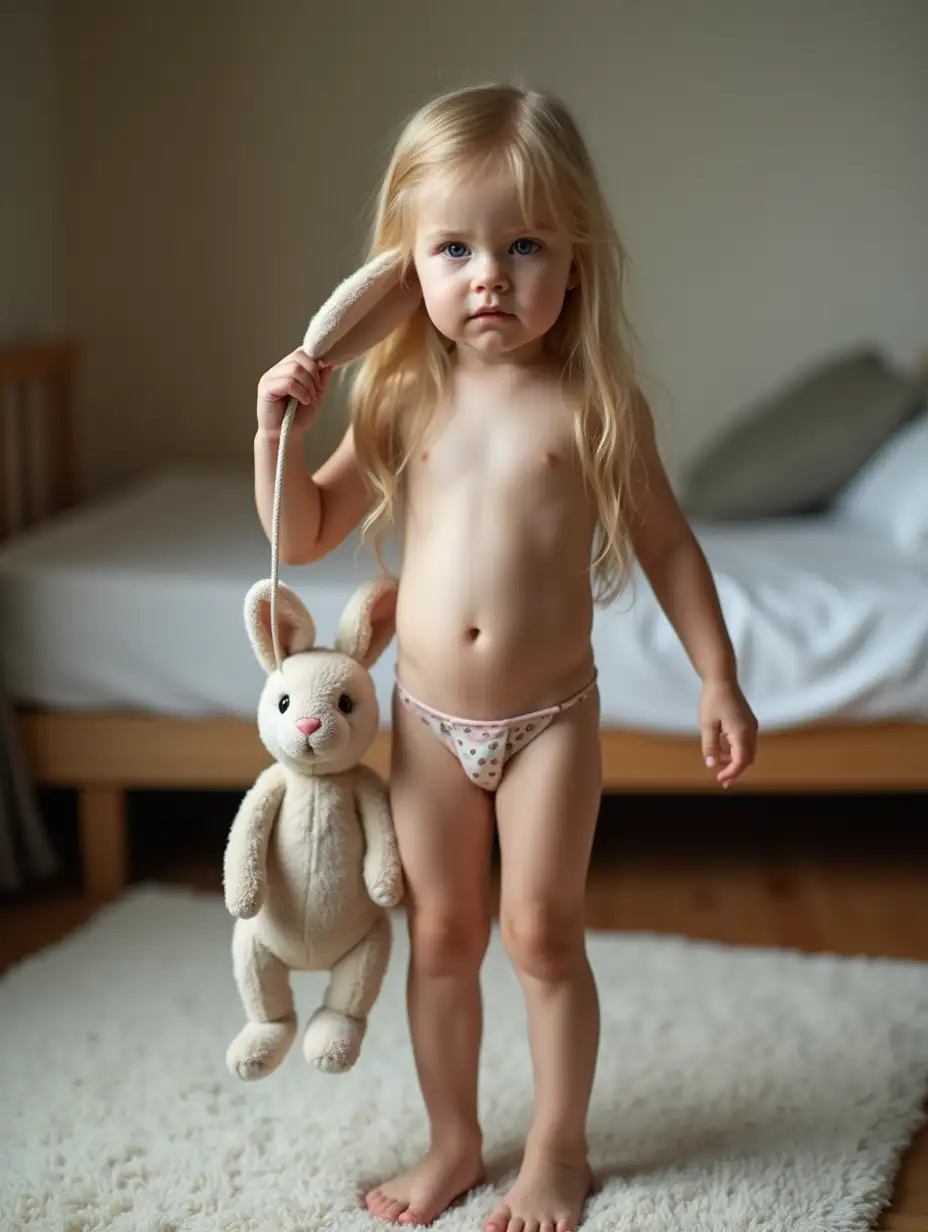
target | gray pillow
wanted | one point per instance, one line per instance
(793, 451)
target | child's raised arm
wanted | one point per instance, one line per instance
(317, 511)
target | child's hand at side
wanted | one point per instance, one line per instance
(295, 376)
(729, 730)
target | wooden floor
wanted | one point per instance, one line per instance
(757, 873)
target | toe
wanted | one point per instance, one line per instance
(416, 1215)
(498, 1221)
(382, 1206)
(378, 1203)
(565, 1225)
(547, 1226)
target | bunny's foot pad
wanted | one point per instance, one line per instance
(333, 1041)
(259, 1048)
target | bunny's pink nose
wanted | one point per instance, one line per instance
(308, 726)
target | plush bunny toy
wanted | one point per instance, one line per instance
(311, 860)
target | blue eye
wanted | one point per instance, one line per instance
(525, 247)
(455, 250)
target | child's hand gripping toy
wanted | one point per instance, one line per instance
(311, 862)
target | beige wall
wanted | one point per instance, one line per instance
(30, 199)
(765, 161)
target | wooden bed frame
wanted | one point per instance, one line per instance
(105, 755)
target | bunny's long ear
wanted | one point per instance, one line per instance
(296, 627)
(362, 310)
(368, 622)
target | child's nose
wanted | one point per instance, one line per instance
(307, 726)
(491, 277)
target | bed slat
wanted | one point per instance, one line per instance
(37, 463)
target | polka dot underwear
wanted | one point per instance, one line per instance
(483, 748)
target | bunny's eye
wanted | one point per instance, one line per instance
(345, 704)
(284, 703)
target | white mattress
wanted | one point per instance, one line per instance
(136, 603)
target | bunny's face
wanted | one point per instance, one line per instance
(319, 713)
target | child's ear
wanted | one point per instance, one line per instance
(573, 276)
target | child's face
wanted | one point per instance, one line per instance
(472, 252)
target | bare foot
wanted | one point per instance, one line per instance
(548, 1196)
(419, 1196)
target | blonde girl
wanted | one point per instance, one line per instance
(501, 430)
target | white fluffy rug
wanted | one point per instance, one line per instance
(748, 1090)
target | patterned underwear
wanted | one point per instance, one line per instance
(483, 748)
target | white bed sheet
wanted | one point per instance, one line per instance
(135, 603)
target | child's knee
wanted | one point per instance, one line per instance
(544, 940)
(446, 941)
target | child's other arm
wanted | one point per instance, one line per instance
(679, 574)
(673, 561)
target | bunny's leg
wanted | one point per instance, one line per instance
(264, 986)
(334, 1034)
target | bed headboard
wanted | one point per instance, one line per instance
(37, 461)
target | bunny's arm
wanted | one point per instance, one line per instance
(383, 873)
(246, 848)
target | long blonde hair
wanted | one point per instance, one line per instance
(400, 381)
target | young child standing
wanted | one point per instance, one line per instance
(501, 426)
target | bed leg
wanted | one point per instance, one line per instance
(103, 826)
